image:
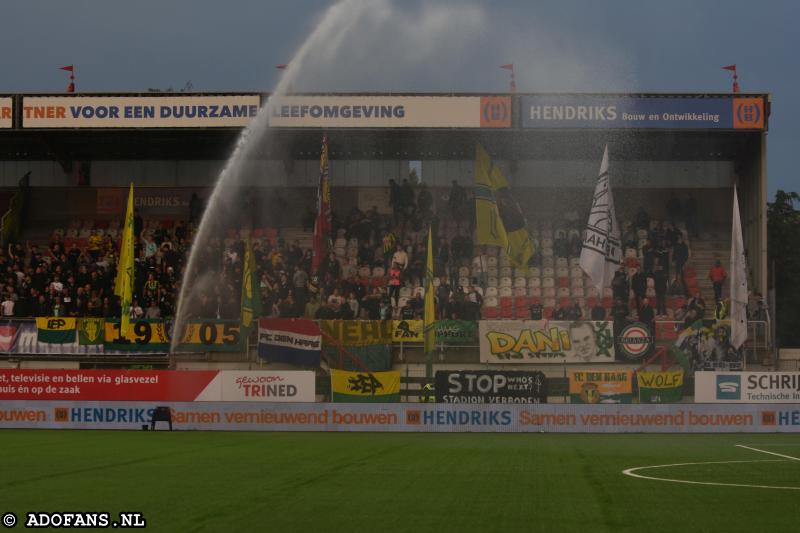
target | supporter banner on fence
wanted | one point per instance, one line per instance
(211, 336)
(600, 386)
(289, 340)
(154, 201)
(6, 113)
(157, 385)
(545, 341)
(55, 330)
(197, 111)
(706, 345)
(357, 332)
(448, 332)
(747, 387)
(142, 335)
(635, 342)
(349, 386)
(8, 337)
(23, 338)
(660, 387)
(488, 386)
(357, 111)
(400, 417)
(407, 330)
(667, 331)
(647, 112)
(90, 331)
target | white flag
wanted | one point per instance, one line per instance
(738, 308)
(601, 254)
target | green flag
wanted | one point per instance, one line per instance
(90, 331)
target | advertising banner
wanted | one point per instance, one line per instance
(356, 111)
(488, 386)
(289, 340)
(600, 386)
(263, 386)
(157, 385)
(349, 386)
(6, 113)
(142, 336)
(546, 341)
(154, 201)
(196, 111)
(641, 112)
(660, 387)
(747, 387)
(211, 336)
(401, 417)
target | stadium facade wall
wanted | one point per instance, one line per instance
(374, 173)
(48, 205)
(39, 364)
(500, 418)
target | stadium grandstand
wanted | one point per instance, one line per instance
(399, 164)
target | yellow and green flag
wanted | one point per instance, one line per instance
(123, 285)
(429, 318)
(55, 330)
(251, 297)
(349, 386)
(90, 331)
(500, 221)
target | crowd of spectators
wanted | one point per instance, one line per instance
(75, 277)
(374, 270)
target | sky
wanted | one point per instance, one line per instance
(415, 45)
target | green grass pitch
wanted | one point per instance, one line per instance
(199, 481)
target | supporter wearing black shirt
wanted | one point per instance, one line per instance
(680, 254)
(598, 312)
(647, 315)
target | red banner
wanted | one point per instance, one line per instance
(131, 385)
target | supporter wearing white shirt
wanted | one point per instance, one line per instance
(8, 306)
(400, 257)
(480, 265)
(136, 311)
(56, 285)
(336, 299)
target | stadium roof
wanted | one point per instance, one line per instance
(387, 125)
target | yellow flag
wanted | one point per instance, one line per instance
(489, 227)
(500, 221)
(251, 297)
(429, 320)
(123, 285)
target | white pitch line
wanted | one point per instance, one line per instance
(770, 453)
(630, 472)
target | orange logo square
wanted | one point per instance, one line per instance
(61, 414)
(413, 417)
(495, 111)
(748, 113)
(768, 418)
